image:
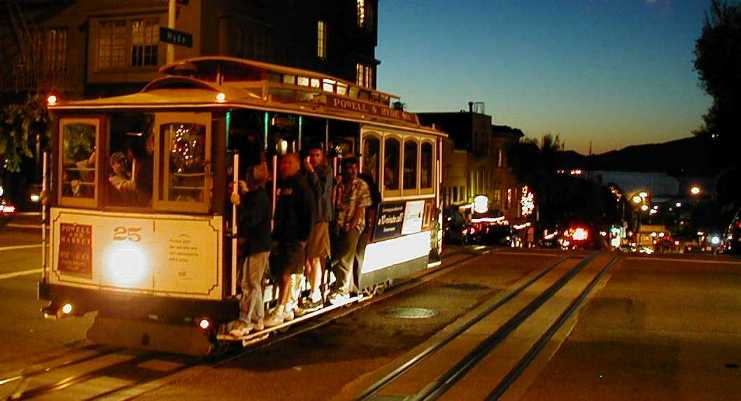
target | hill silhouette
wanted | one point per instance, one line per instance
(691, 155)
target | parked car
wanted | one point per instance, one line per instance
(7, 211)
(499, 235)
(455, 228)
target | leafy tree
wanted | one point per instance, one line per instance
(718, 64)
(21, 126)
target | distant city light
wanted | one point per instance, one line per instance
(637, 199)
(51, 100)
(678, 204)
(695, 190)
(644, 207)
(643, 194)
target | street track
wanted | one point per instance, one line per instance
(415, 371)
(96, 365)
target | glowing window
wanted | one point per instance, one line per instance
(328, 85)
(183, 162)
(364, 75)
(321, 40)
(145, 41)
(361, 13)
(341, 88)
(78, 157)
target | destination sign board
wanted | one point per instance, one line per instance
(343, 103)
(174, 37)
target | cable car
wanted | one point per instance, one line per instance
(141, 228)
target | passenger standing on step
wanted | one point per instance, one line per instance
(254, 228)
(321, 180)
(352, 198)
(293, 222)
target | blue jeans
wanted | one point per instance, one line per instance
(251, 308)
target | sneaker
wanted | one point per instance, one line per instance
(278, 317)
(309, 306)
(337, 298)
(240, 328)
(274, 319)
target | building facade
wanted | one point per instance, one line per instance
(107, 47)
(475, 160)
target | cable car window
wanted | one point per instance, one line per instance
(79, 164)
(130, 160)
(371, 153)
(391, 164)
(410, 164)
(426, 166)
(183, 162)
(341, 88)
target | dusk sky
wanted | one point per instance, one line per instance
(614, 72)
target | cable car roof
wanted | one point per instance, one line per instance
(225, 82)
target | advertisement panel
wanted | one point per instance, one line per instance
(160, 255)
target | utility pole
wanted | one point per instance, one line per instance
(171, 12)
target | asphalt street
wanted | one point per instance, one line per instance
(658, 328)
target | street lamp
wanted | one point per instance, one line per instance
(637, 199)
(695, 190)
(644, 207)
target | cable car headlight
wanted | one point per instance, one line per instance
(126, 264)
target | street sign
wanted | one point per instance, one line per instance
(174, 37)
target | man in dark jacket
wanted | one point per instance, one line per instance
(255, 213)
(293, 222)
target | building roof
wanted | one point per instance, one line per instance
(219, 82)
